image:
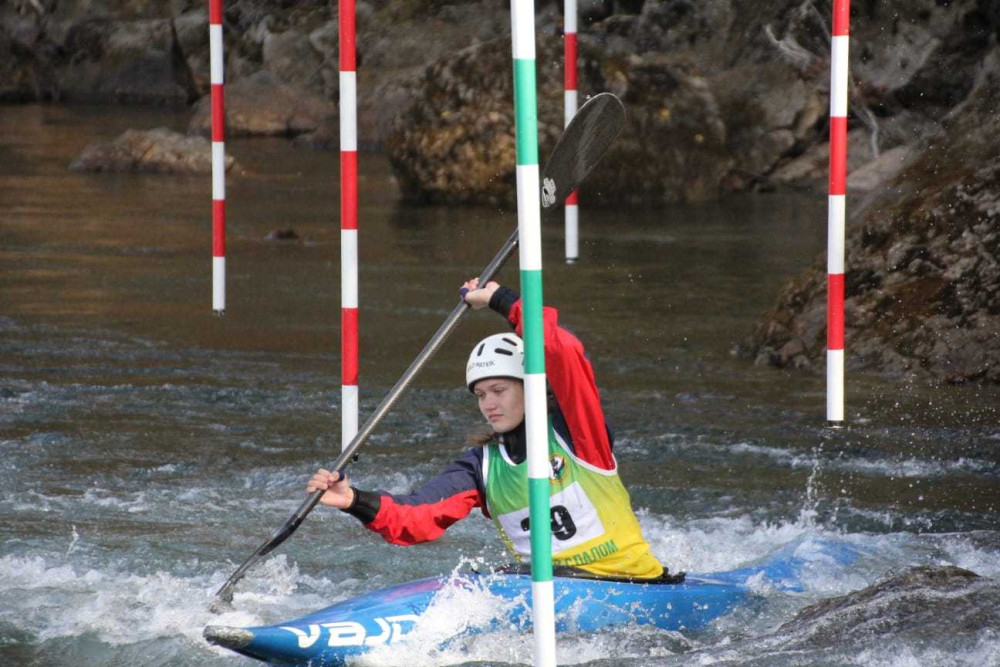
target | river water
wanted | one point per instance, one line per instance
(149, 446)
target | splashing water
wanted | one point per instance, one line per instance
(147, 447)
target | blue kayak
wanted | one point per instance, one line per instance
(351, 628)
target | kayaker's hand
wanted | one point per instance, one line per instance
(478, 297)
(338, 489)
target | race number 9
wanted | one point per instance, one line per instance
(563, 527)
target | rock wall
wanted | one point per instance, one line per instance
(454, 142)
(96, 51)
(722, 97)
(146, 52)
(923, 266)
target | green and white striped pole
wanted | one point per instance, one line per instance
(522, 20)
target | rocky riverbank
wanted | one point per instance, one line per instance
(155, 151)
(723, 97)
(923, 266)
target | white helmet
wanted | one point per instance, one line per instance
(499, 355)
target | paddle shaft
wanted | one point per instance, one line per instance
(437, 340)
(593, 130)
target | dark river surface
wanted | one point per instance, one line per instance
(149, 446)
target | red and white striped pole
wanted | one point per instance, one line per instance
(836, 218)
(348, 224)
(570, 105)
(218, 67)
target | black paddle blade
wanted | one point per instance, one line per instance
(587, 138)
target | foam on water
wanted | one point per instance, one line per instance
(715, 544)
(131, 502)
(726, 543)
(65, 597)
(58, 601)
(450, 630)
(984, 652)
(460, 627)
(453, 630)
(53, 600)
(978, 551)
(902, 467)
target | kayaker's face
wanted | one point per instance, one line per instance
(501, 400)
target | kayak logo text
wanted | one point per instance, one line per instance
(352, 633)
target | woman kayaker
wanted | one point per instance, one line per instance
(593, 526)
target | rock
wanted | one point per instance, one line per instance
(261, 104)
(769, 110)
(793, 348)
(455, 142)
(923, 264)
(157, 151)
(914, 600)
(325, 137)
(24, 52)
(124, 61)
(291, 57)
(801, 363)
(674, 147)
(811, 169)
(901, 253)
(947, 74)
(282, 235)
(891, 62)
(881, 170)
(325, 40)
(807, 170)
(712, 107)
(191, 29)
(923, 606)
(766, 356)
(906, 128)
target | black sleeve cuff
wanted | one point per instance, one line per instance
(503, 299)
(365, 505)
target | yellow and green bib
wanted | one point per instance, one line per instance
(593, 526)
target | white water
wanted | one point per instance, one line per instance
(147, 446)
(59, 598)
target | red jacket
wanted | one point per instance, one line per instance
(427, 512)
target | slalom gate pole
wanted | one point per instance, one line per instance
(572, 210)
(218, 67)
(348, 225)
(522, 16)
(836, 217)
